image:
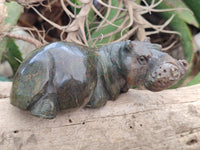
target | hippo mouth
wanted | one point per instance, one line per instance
(165, 75)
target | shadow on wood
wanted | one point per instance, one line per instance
(167, 120)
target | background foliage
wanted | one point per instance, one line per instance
(96, 23)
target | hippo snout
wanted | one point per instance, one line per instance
(166, 75)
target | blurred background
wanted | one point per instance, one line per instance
(28, 25)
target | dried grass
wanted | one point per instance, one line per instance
(78, 26)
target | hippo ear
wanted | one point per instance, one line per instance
(157, 47)
(147, 39)
(130, 46)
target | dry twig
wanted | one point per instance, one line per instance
(128, 11)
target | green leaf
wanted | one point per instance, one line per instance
(75, 2)
(13, 55)
(184, 14)
(137, 1)
(195, 80)
(3, 45)
(109, 28)
(194, 5)
(75, 10)
(8, 47)
(14, 12)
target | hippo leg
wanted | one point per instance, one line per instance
(96, 102)
(99, 97)
(45, 107)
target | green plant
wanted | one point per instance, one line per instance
(96, 23)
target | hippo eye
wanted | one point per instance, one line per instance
(142, 60)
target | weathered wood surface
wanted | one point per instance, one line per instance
(137, 120)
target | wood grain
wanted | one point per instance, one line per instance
(137, 120)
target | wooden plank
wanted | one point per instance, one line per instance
(137, 120)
